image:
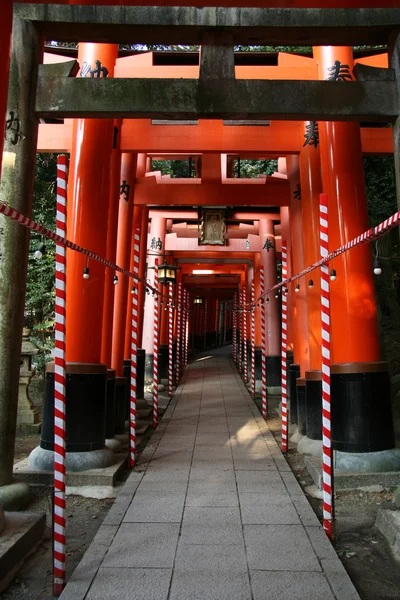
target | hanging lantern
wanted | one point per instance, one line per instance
(333, 275)
(167, 273)
(197, 300)
(86, 273)
(40, 251)
(311, 284)
(377, 266)
(297, 289)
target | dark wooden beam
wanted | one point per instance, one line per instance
(217, 99)
(185, 25)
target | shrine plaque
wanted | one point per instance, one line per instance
(213, 228)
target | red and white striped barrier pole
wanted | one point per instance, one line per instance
(187, 333)
(284, 351)
(217, 321)
(327, 452)
(183, 364)
(264, 348)
(245, 359)
(234, 329)
(253, 341)
(170, 338)
(134, 341)
(241, 364)
(156, 348)
(225, 321)
(205, 324)
(59, 555)
(178, 335)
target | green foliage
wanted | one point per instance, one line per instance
(175, 168)
(40, 290)
(254, 168)
(381, 187)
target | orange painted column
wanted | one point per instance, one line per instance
(124, 251)
(354, 328)
(144, 224)
(311, 188)
(5, 40)
(268, 260)
(299, 299)
(156, 238)
(257, 287)
(108, 310)
(88, 201)
(272, 316)
(285, 232)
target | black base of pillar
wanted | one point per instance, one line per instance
(163, 361)
(121, 385)
(258, 363)
(86, 408)
(149, 370)
(273, 371)
(110, 404)
(301, 406)
(212, 339)
(361, 408)
(141, 357)
(293, 375)
(314, 404)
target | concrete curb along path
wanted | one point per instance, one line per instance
(212, 510)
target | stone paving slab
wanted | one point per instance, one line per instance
(212, 511)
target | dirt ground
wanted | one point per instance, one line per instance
(84, 517)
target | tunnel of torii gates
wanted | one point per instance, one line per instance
(317, 115)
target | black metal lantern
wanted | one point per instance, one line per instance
(167, 273)
(197, 300)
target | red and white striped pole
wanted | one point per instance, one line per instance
(284, 351)
(187, 332)
(241, 365)
(183, 329)
(234, 329)
(205, 324)
(253, 340)
(134, 342)
(264, 348)
(170, 338)
(327, 452)
(178, 335)
(225, 321)
(217, 321)
(59, 555)
(156, 347)
(245, 360)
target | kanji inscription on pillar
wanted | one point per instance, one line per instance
(156, 244)
(297, 192)
(125, 190)
(339, 72)
(13, 132)
(94, 72)
(312, 134)
(268, 245)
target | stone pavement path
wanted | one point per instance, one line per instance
(212, 511)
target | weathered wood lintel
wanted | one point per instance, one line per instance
(186, 25)
(217, 99)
